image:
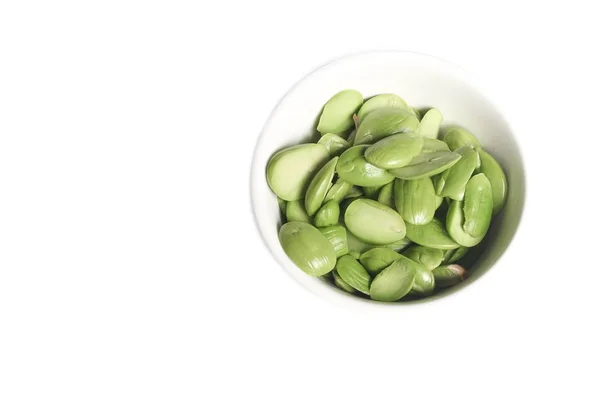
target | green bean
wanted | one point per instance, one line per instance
(394, 282)
(373, 222)
(320, 184)
(338, 111)
(381, 101)
(415, 200)
(308, 248)
(354, 168)
(383, 122)
(328, 214)
(337, 236)
(348, 207)
(426, 164)
(449, 275)
(290, 170)
(353, 274)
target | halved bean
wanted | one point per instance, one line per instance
(426, 164)
(493, 171)
(335, 145)
(308, 248)
(394, 282)
(353, 168)
(320, 184)
(415, 200)
(337, 113)
(377, 259)
(373, 222)
(395, 151)
(452, 182)
(337, 236)
(290, 170)
(449, 275)
(383, 122)
(381, 101)
(468, 221)
(430, 123)
(427, 256)
(431, 235)
(295, 211)
(457, 137)
(328, 214)
(386, 195)
(424, 283)
(353, 273)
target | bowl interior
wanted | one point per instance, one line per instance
(422, 81)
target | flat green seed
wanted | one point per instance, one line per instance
(335, 145)
(353, 168)
(431, 145)
(338, 191)
(424, 283)
(454, 224)
(290, 171)
(381, 101)
(320, 184)
(295, 211)
(430, 258)
(395, 151)
(426, 164)
(377, 259)
(431, 235)
(415, 200)
(453, 181)
(449, 275)
(353, 273)
(373, 222)
(339, 282)
(457, 137)
(430, 123)
(454, 255)
(337, 236)
(478, 205)
(468, 221)
(308, 248)
(328, 214)
(493, 171)
(386, 195)
(383, 122)
(337, 113)
(394, 282)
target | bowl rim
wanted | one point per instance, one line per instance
(347, 300)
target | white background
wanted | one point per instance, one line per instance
(130, 265)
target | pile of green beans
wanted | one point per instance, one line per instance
(380, 206)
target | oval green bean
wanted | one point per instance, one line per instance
(349, 207)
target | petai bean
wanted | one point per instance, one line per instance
(378, 182)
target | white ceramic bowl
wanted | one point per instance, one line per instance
(422, 81)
